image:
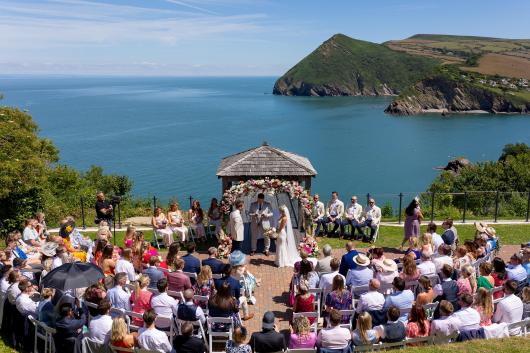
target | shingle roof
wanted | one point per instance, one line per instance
(265, 160)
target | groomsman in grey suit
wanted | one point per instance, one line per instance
(334, 213)
(260, 220)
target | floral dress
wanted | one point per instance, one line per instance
(232, 347)
(205, 289)
(340, 302)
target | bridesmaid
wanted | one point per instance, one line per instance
(160, 226)
(412, 221)
(196, 216)
(214, 216)
(176, 223)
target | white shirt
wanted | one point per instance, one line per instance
(509, 310)
(445, 326)
(119, 298)
(373, 213)
(57, 262)
(517, 273)
(26, 306)
(372, 300)
(126, 266)
(4, 284)
(440, 261)
(427, 268)
(326, 282)
(30, 234)
(154, 340)
(469, 319)
(164, 305)
(12, 293)
(354, 212)
(437, 240)
(99, 328)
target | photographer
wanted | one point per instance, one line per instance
(103, 209)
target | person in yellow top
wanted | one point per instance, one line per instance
(67, 229)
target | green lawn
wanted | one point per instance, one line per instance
(504, 345)
(390, 236)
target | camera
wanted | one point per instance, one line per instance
(115, 200)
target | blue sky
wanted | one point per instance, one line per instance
(222, 37)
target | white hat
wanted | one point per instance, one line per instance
(389, 265)
(361, 260)
(49, 248)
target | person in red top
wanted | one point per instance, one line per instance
(499, 276)
(141, 298)
(304, 301)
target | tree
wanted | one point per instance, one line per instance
(514, 150)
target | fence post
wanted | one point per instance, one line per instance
(432, 207)
(119, 216)
(191, 201)
(400, 205)
(465, 208)
(367, 199)
(154, 204)
(528, 207)
(496, 205)
(83, 211)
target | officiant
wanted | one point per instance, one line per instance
(261, 217)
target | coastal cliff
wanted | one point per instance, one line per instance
(443, 94)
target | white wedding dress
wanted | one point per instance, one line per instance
(286, 245)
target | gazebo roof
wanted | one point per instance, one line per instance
(264, 161)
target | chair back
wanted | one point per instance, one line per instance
(350, 314)
(130, 325)
(90, 346)
(177, 295)
(217, 276)
(191, 275)
(430, 309)
(519, 328)
(219, 336)
(116, 349)
(356, 291)
(3, 297)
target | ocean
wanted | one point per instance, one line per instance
(169, 134)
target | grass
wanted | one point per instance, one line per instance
(503, 345)
(5, 348)
(390, 236)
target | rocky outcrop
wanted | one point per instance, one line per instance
(288, 87)
(441, 94)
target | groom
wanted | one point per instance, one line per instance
(261, 220)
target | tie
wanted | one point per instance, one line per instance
(260, 207)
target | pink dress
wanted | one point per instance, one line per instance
(464, 286)
(297, 341)
(484, 320)
(140, 304)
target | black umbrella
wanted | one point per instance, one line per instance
(72, 275)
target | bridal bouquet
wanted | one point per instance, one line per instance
(271, 233)
(310, 246)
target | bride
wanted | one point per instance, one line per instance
(286, 245)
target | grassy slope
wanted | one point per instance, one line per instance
(504, 345)
(340, 59)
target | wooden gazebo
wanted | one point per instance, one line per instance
(265, 162)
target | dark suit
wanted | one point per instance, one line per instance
(177, 281)
(216, 265)
(183, 344)
(69, 330)
(267, 341)
(191, 264)
(346, 262)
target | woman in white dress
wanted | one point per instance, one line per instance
(286, 248)
(214, 216)
(160, 226)
(196, 216)
(176, 223)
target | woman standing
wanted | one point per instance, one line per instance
(107, 264)
(214, 216)
(412, 221)
(196, 216)
(176, 222)
(161, 227)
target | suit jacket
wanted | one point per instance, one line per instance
(340, 208)
(323, 265)
(356, 212)
(375, 213)
(346, 263)
(267, 341)
(255, 221)
(69, 330)
(178, 281)
(318, 211)
(191, 264)
(236, 227)
(216, 265)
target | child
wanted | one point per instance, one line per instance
(249, 283)
(129, 235)
(237, 345)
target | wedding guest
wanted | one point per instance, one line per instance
(372, 220)
(103, 209)
(346, 262)
(326, 280)
(515, 269)
(214, 215)
(196, 217)
(323, 265)
(467, 283)
(413, 250)
(449, 235)
(41, 227)
(301, 335)
(426, 266)
(410, 271)
(394, 330)
(339, 298)
(377, 256)
(161, 227)
(46, 310)
(188, 311)
(443, 258)
(178, 281)
(107, 263)
(417, 325)
(461, 258)
(191, 263)
(162, 303)
(413, 218)
(447, 323)
(448, 288)
(436, 238)
(213, 262)
(389, 271)
(364, 334)
(485, 279)
(499, 275)
(205, 285)
(352, 216)
(307, 274)
(371, 300)
(24, 304)
(152, 272)
(424, 291)
(237, 344)
(187, 342)
(100, 326)
(468, 317)
(510, 308)
(401, 298)
(68, 328)
(304, 301)
(318, 212)
(525, 295)
(426, 243)
(149, 337)
(30, 234)
(484, 306)
(119, 337)
(176, 222)
(361, 274)
(334, 213)
(334, 336)
(124, 264)
(118, 295)
(129, 236)
(171, 257)
(223, 304)
(268, 340)
(141, 298)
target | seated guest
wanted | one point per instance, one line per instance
(237, 344)
(153, 272)
(191, 263)
(124, 264)
(525, 294)
(13, 291)
(161, 226)
(149, 337)
(394, 330)
(443, 258)
(377, 256)
(466, 282)
(100, 326)
(215, 264)
(324, 264)
(268, 340)
(448, 289)
(372, 220)
(188, 311)
(448, 236)
(372, 300)
(361, 274)
(94, 294)
(301, 335)
(461, 258)
(424, 291)
(484, 306)
(469, 318)
(410, 271)
(485, 279)
(352, 216)
(389, 271)
(178, 281)
(119, 337)
(205, 285)
(426, 267)
(306, 274)
(69, 329)
(418, 325)
(186, 342)
(426, 244)
(141, 298)
(129, 237)
(30, 234)
(223, 304)
(510, 308)
(46, 309)
(339, 298)
(25, 305)
(162, 303)
(364, 334)
(118, 295)
(304, 301)
(413, 250)
(334, 213)
(515, 269)
(326, 279)
(346, 262)
(334, 336)
(447, 323)
(436, 238)
(401, 298)
(499, 275)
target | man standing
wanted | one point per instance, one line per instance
(334, 213)
(261, 217)
(317, 213)
(373, 218)
(352, 216)
(103, 209)
(236, 228)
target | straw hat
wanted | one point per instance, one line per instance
(49, 248)
(490, 231)
(389, 265)
(361, 260)
(481, 226)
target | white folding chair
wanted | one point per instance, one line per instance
(356, 291)
(411, 285)
(88, 345)
(217, 276)
(497, 289)
(317, 293)
(309, 315)
(196, 324)
(157, 238)
(90, 305)
(177, 295)
(519, 328)
(200, 299)
(115, 349)
(129, 315)
(378, 346)
(219, 337)
(42, 334)
(350, 314)
(142, 350)
(191, 275)
(430, 309)
(3, 297)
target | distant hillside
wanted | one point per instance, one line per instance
(343, 66)
(491, 56)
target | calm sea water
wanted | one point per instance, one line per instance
(169, 134)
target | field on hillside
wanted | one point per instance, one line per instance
(503, 65)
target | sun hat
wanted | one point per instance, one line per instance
(389, 265)
(490, 231)
(49, 248)
(361, 260)
(237, 258)
(481, 226)
(268, 320)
